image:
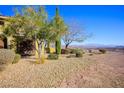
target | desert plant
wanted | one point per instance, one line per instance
(16, 58)
(103, 51)
(75, 33)
(58, 46)
(59, 27)
(73, 51)
(53, 56)
(79, 54)
(6, 57)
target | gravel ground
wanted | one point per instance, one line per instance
(88, 71)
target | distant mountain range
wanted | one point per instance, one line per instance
(119, 46)
(97, 46)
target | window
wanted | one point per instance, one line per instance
(1, 23)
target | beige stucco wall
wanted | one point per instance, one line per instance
(2, 27)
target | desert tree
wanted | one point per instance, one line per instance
(75, 33)
(38, 28)
(34, 26)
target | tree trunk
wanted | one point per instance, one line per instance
(39, 53)
(41, 57)
(42, 53)
(48, 46)
(66, 46)
(36, 51)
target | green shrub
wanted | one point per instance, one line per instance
(103, 51)
(73, 51)
(6, 56)
(16, 58)
(53, 56)
(79, 54)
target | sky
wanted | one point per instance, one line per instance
(105, 23)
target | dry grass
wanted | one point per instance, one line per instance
(87, 71)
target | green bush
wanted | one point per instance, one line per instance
(79, 54)
(16, 58)
(6, 57)
(73, 51)
(53, 56)
(103, 51)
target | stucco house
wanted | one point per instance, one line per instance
(5, 41)
(3, 38)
